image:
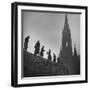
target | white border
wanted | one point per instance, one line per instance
(82, 48)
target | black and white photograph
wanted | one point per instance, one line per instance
(49, 44)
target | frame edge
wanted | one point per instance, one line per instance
(14, 43)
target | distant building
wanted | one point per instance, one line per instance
(66, 54)
(76, 61)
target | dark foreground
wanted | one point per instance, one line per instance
(37, 66)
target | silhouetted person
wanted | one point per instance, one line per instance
(49, 55)
(26, 42)
(59, 60)
(37, 48)
(42, 51)
(54, 57)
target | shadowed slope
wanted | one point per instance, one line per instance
(38, 66)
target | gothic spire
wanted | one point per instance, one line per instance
(66, 26)
(66, 20)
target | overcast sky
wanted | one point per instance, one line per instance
(47, 28)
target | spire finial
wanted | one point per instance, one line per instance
(66, 18)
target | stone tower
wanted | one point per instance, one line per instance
(66, 48)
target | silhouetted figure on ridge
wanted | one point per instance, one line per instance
(59, 60)
(54, 57)
(37, 48)
(26, 42)
(49, 55)
(42, 51)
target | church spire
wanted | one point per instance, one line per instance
(66, 25)
(66, 50)
(66, 20)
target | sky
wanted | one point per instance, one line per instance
(47, 27)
